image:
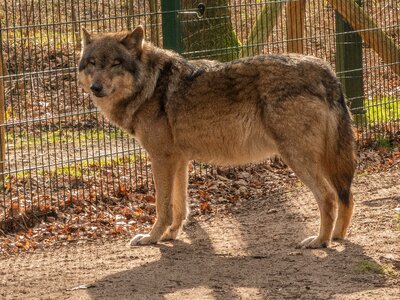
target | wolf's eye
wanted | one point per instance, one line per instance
(92, 62)
(116, 63)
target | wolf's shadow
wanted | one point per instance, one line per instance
(270, 268)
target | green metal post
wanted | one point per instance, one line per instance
(3, 73)
(171, 25)
(349, 62)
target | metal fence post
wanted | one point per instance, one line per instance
(349, 62)
(171, 25)
(3, 72)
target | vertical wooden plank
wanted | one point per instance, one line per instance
(295, 20)
(349, 62)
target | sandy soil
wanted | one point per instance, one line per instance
(249, 254)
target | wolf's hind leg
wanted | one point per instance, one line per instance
(179, 202)
(327, 203)
(163, 173)
(344, 218)
(309, 173)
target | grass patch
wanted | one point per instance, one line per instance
(369, 266)
(25, 140)
(79, 169)
(382, 110)
(383, 142)
(90, 167)
(39, 37)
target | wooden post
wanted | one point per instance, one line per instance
(369, 31)
(295, 20)
(349, 63)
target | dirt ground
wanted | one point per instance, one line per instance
(248, 254)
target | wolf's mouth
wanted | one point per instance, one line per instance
(98, 94)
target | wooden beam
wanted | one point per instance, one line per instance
(373, 36)
(295, 20)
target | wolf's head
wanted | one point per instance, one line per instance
(110, 64)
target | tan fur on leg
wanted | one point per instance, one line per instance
(179, 202)
(163, 179)
(344, 217)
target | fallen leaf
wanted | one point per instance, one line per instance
(205, 207)
(138, 212)
(203, 194)
(14, 210)
(150, 199)
(119, 229)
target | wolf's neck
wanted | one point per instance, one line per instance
(115, 111)
(158, 68)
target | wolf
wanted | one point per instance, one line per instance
(230, 113)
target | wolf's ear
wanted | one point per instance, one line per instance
(86, 38)
(134, 39)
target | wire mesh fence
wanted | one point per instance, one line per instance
(55, 146)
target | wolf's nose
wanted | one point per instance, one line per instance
(96, 87)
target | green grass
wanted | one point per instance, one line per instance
(369, 266)
(381, 110)
(90, 167)
(25, 140)
(383, 142)
(39, 37)
(78, 169)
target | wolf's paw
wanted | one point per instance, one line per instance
(338, 236)
(141, 239)
(313, 242)
(170, 235)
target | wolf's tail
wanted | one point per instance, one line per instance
(340, 159)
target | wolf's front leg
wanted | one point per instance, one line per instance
(179, 202)
(163, 173)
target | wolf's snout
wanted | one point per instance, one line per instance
(96, 88)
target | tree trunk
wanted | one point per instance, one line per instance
(262, 28)
(213, 35)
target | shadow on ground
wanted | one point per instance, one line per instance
(254, 257)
